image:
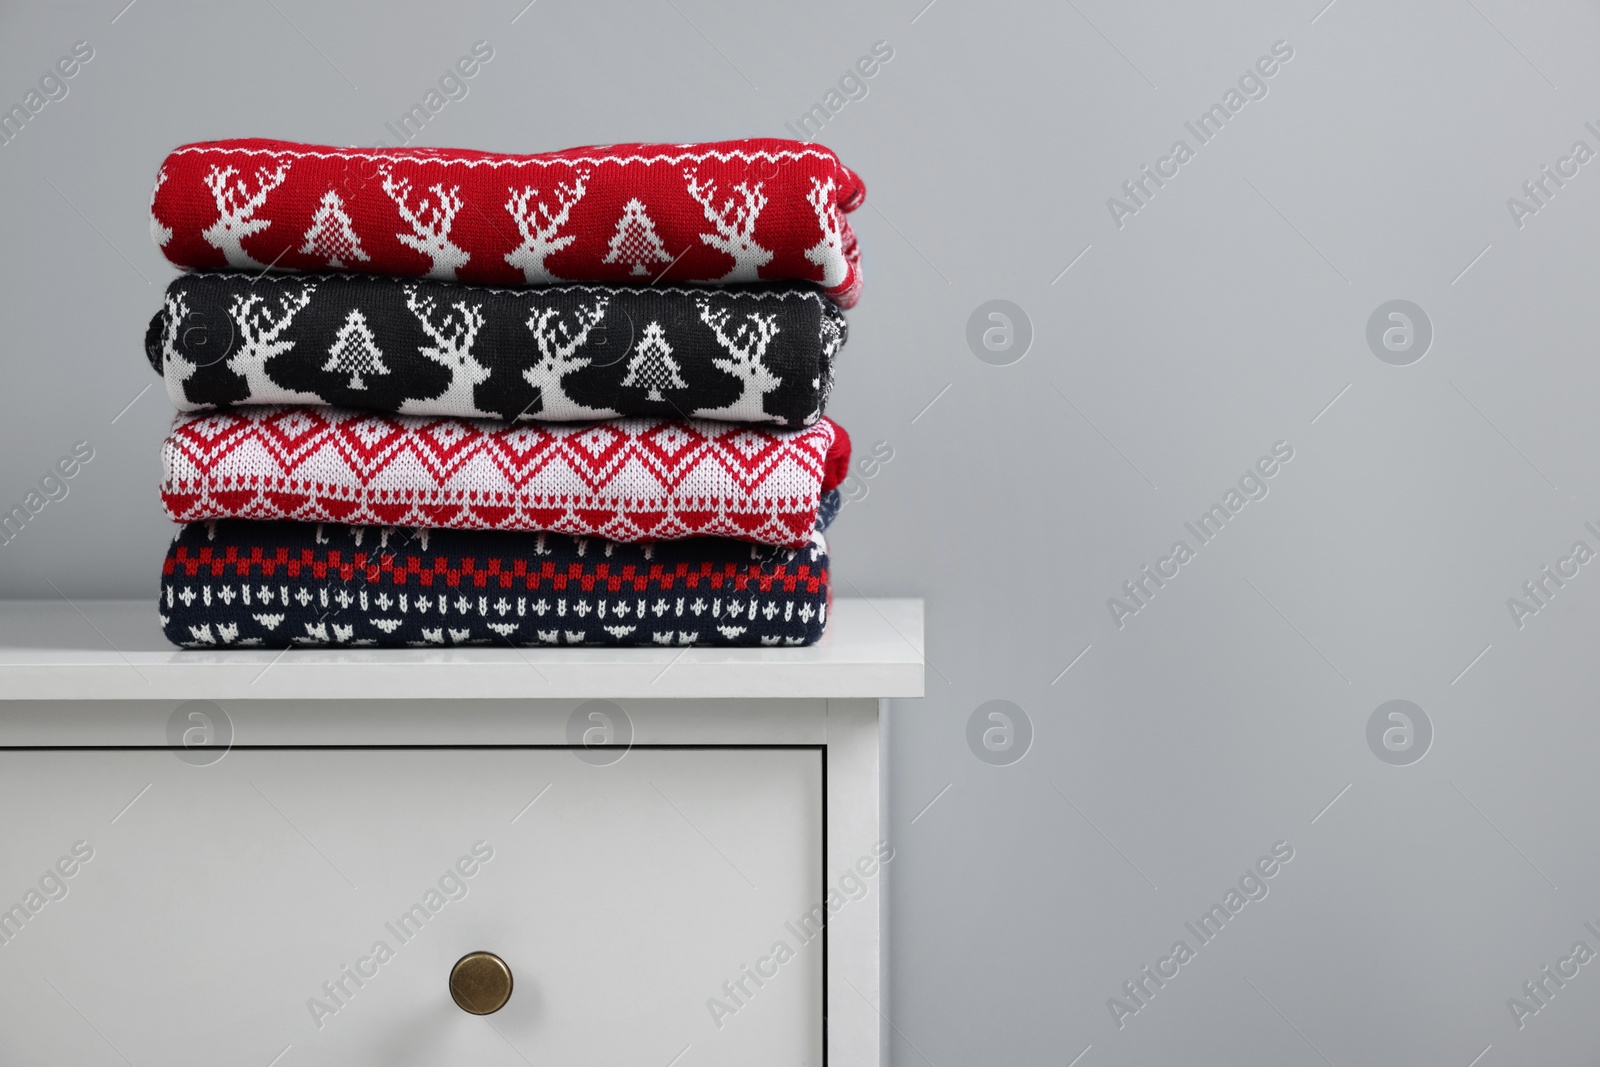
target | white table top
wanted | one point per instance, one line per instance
(114, 650)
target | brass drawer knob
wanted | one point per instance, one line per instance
(480, 983)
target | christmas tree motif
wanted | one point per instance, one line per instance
(330, 234)
(355, 351)
(652, 366)
(636, 241)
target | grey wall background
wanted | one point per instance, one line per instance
(1225, 316)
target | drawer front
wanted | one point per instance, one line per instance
(310, 903)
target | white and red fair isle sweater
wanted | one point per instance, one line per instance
(630, 479)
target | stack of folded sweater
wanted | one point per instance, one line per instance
(438, 397)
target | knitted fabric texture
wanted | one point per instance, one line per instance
(761, 354)
(281, 584)
(632, 479)
(731, 212)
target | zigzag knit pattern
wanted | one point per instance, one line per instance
(232, 584)
(562, 353)
(731, 213)
(632, 479)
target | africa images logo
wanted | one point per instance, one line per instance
(199, 732)
(999, 732)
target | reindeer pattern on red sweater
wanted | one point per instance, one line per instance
(731, 212)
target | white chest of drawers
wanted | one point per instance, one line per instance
(676, 853)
